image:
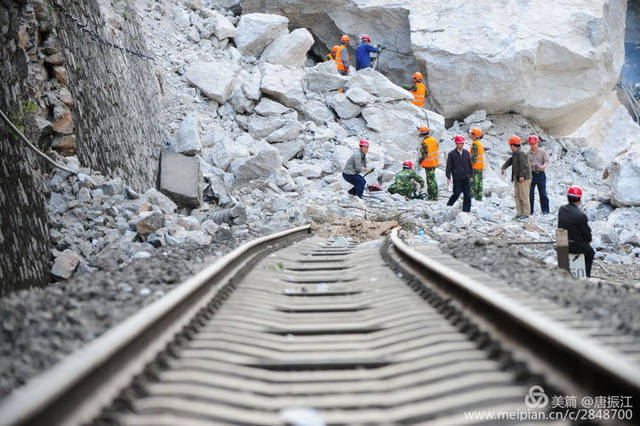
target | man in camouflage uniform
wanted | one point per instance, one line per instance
(477, 160)
(404, 184)
(429, 160)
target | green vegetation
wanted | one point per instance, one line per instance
(29, 107)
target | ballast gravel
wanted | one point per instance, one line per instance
(40, 326)
(616, 306)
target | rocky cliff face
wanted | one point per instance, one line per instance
(70, 93)
(505, 56)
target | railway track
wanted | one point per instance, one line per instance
(375, 333)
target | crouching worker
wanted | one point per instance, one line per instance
(357, 164)
(405, 185)
(575, 221)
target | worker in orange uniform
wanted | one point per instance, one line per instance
(418, 90)
(342, 56)
(429, 160)
(477, 160)
(332, 55)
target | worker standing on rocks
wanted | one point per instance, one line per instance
(538, 162)
(418, 90)
(342, 56)
(363, 58)
(459, 167)
(477, 163)
(405, 185)
(520, 176)
(331, 56)
(357, 164)
(575, 221)
(429, 160)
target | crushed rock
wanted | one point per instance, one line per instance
(614, 305)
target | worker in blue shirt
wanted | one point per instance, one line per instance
(363, 60)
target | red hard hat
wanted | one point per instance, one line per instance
(365, 37)
(575, 191)
(364, 142)
(514, 140)
(533, 139)
(459, 139)
(408, 164)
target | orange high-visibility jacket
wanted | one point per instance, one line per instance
(340, 65)
(419, 95)
(479, 164)
(431, 160)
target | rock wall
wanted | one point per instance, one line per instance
(70, 94)
(503, 56)
(116, 108)
(24, 242)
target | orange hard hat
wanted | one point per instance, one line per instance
(417, 75)
(423, 130)
(514, 140)
(335, 48)
(476, 132)
(345, 39)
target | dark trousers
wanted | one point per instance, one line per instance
(358, 183)
(539, 179)
(461, 186)
(589, 254)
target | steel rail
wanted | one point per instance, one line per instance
(579, 360)
(76, 389)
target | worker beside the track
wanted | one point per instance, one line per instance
(405, 185)
(459, 168)
(342, 56)
(418, 90)
(429, 160)
(538, 162)
(477, 163)
(520, 176)
(575, 221)
(363, 58)
(357, 164)
(331, 56)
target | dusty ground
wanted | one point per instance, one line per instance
(358, 230)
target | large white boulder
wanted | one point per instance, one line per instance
(611, 130)
(552, 62)
(225, 151)
(215, 79)
(343, 106)
(289, 49)
(324, 78)
(283, 83)
(317, 111)
(394, 126)
(378, 85)
(256, 30)
(223, 28)
(187, 138)
(624, 172)
(263, 164)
